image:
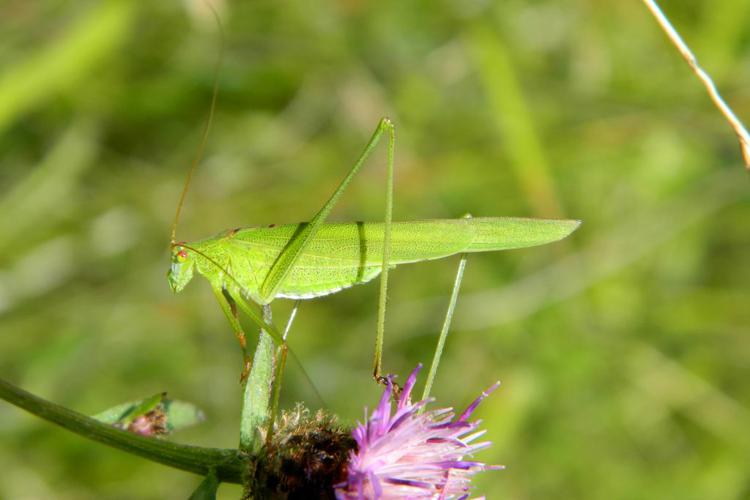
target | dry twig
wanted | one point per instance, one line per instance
(692, 61)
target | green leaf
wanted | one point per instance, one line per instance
(155, 415)
(207, 489)
(181, 414)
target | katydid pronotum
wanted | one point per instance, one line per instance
(316, 258)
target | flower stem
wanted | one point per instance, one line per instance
(228, 465)
(257, 391)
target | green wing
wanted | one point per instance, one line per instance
(344, 254)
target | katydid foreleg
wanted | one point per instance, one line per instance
(229, 308)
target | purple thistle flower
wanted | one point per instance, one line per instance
(414, 453)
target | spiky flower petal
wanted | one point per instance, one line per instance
(414, 452)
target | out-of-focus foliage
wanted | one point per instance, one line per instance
(623, 351)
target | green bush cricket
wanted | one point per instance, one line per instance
(317, 258)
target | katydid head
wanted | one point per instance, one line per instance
(181, 271)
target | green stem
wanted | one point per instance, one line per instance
(257, 392)
(229, 465)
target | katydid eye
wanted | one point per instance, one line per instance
(182, 256)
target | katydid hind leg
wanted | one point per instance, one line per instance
(387, 222)
(287, 259)
(294, 249)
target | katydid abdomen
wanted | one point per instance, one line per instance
(344, 254)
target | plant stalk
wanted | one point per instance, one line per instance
(228, 465)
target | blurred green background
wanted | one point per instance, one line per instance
(623, 351)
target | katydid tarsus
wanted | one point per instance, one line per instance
(317, 258)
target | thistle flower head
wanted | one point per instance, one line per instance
(414, 452)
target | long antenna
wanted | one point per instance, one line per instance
(206, 128)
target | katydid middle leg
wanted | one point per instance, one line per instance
(268, 327)
(281, 354)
